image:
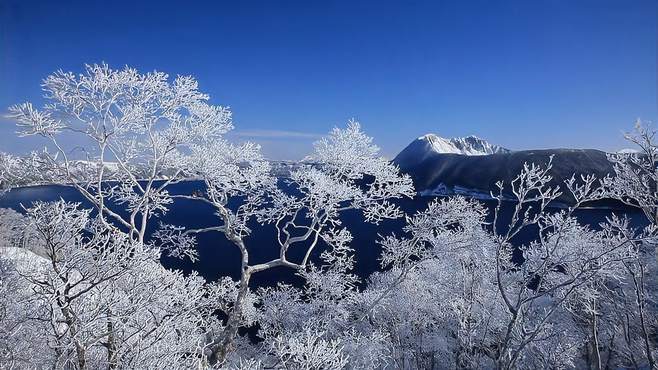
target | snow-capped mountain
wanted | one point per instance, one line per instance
(472, 166)
(470, 145)
(430, 145)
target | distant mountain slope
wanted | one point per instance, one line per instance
(436, 172)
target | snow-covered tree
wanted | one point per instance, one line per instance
(435, 301)
(96, 297)
(635, 301)
(130, 131)
(459, 289)
(345, 173)
(140, 133)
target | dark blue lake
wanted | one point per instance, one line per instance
(218, 257)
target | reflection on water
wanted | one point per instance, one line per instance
(218, 257)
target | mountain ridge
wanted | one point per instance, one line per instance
(444, 172)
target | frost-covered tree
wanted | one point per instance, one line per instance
(135, 135)
(565, 258)
(130, 131)
(459, 289)
(346, 173)
(436, 299)
(22, 340)
(95, 298)
(636, 177)
(634, 302)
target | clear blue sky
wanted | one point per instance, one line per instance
(523, 74)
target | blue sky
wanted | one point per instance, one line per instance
(522, 74)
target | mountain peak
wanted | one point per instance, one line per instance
(430, 145)
(469, 145)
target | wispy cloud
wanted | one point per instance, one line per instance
(275, 134)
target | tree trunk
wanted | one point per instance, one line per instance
(73, 329)
(596, 354)
(221, 349)
(639, 293)
(111, 344)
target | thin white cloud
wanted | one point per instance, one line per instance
(274, 134)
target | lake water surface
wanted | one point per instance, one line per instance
(218, 257)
